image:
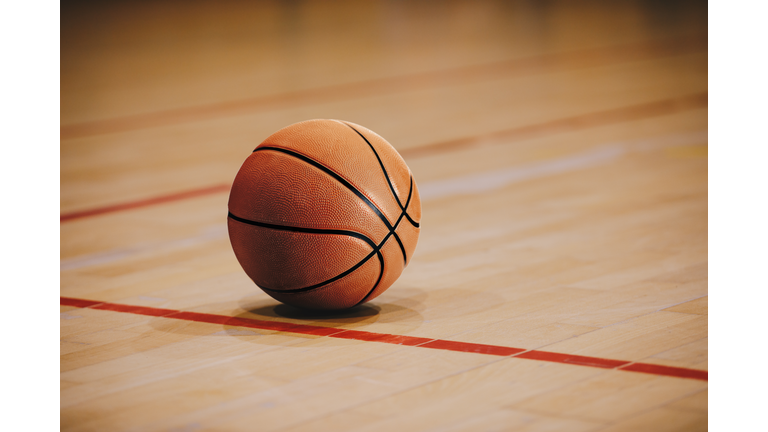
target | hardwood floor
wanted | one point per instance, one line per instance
(560, 281)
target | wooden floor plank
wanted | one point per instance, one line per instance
(561, 276)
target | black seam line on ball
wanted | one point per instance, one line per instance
(381, 164)
(358, 235)
(349, 186)
(338, 178)
(359, 194)
(376, 285)
(314, 231)
(405, 210)
(386, 175)
(321, 284)
(376, 250)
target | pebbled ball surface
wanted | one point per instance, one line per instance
(324, 214)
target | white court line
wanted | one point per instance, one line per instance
(465, 185)
(212, 233)
(484, 182)
(487, 181)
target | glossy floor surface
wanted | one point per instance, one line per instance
(560, 279)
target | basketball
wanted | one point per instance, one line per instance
(324, 215)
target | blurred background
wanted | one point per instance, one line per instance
(588, 119)
(164, 96)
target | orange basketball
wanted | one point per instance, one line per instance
(324, 214)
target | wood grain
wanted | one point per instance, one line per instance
(578, 133)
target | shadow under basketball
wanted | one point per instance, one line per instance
(357, 313)
(401, 310)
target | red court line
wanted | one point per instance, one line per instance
(253, 323)
(584, 58)
(145, 202)
(138, 310)
(573, 359)
(668, 371)
(382, 337)
(68, 301)
(567, 124)
(472, 347)
(419, 342)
